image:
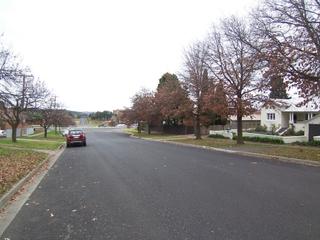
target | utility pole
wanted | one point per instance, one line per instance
(23, 100)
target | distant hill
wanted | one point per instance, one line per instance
(77, 114)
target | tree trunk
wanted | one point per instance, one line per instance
(149, 129)
(45, 132)
(14, 133)
(197, 127)
(239, 129)
(139, 127)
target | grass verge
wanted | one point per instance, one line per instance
(31, 144)
(299, 152)
(51, 136)
(16, 164)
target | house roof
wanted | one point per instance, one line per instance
(295, 105)
(254, 117)
(305, 108)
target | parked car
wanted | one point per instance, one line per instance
(3, 133)
(76, 136)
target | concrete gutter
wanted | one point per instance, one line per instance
(243, 153)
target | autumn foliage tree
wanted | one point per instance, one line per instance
(128, 117)
(290, 40)
(236, 66)
(196, 80)
(216, 103)
(172, 100)
(144, 108)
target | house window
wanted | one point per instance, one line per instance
(271, 116)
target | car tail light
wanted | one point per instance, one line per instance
(81, 135)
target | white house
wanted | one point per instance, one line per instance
(282, 114)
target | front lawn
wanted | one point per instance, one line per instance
(154, 135)
(16, 164)
(51, 136)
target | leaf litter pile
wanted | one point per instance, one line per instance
(15, 164)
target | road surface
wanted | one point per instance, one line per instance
(124, 188)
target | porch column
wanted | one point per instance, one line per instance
(309, 116)
(291, 118)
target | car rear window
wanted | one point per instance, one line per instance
(75, 132)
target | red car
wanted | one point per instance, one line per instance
(76, 136)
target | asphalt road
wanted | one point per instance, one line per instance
(123, 188)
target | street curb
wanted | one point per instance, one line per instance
(251, 154)
(16, 188)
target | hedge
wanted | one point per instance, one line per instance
(261, 139)
(217, 136)
(311, 143)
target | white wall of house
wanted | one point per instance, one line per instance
(285, 119)
(277, 121)
(300, 127)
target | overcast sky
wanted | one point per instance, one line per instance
(95, 55)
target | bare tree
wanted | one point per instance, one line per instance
(195, 79)
(290, 37)
(7, 64)
(18, 93)
(62, 118)
(236, 66)
(49, 113)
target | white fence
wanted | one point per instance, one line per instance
(225, 133)
(316, 138)
(286, 139)
(20, 132)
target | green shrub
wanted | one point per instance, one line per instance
(261, 139)
(289, 132)
(217, 136)
(260, 128)
(299, 133)
(292, 132)
(273, 129)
